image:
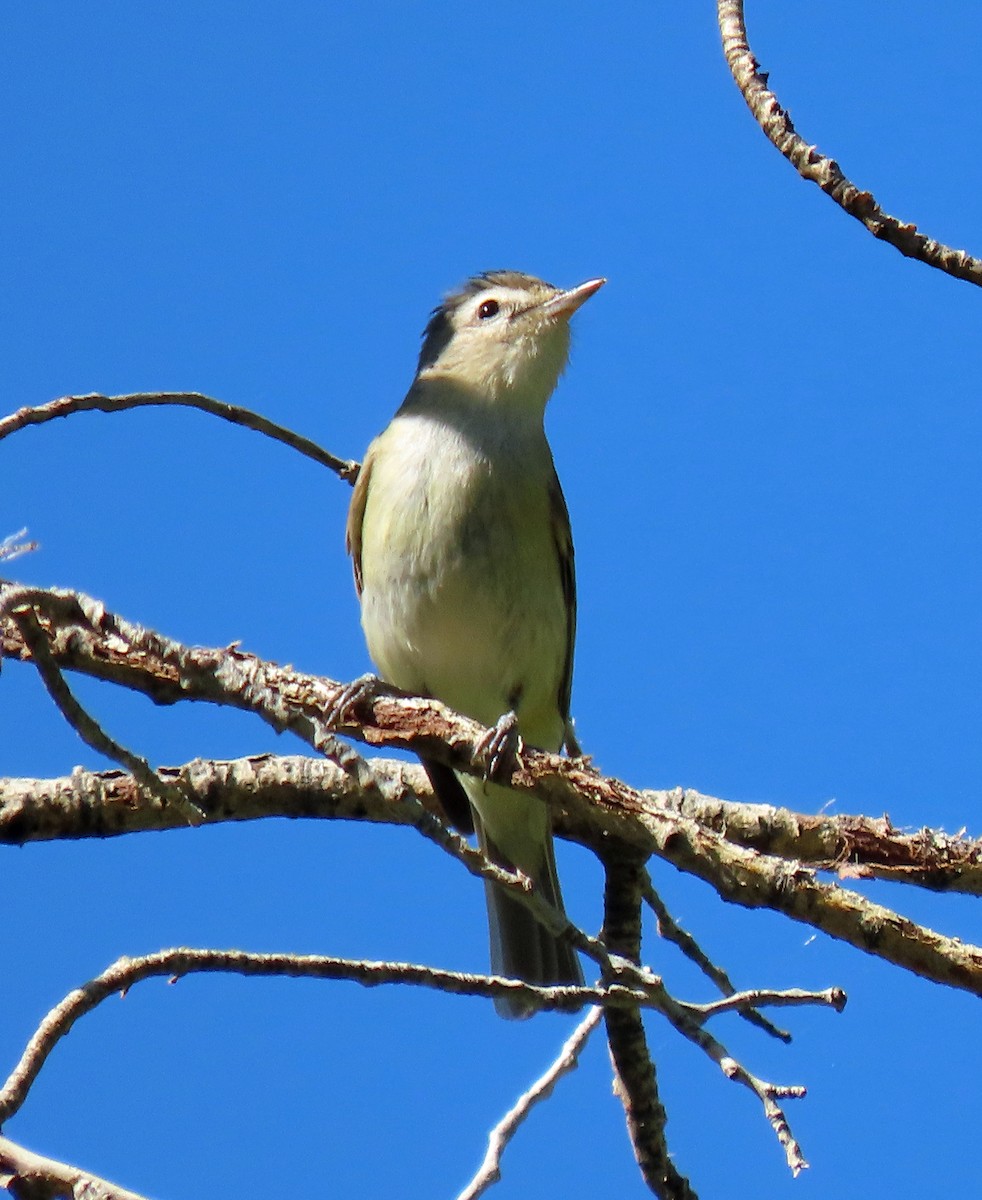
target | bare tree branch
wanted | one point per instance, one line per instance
(852, 846)
(111, 803)
(567, 1060)
(75, 632)
(182, 960)
(754, 998)
(11, 547)
(768, 1093)
(83, 636)
(810, 164)
(671, 931)
(18, 605)
(65, 406)
(636, 1082)
(601, 812)
(30, 1176)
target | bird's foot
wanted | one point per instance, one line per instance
(500, 748)
(360, 691)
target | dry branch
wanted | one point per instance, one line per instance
(810, 164)
(30, 1176)
(635, 1079)
(66, 406)
(671, 931)
(182, 960)
(599, 811)
(567, 1060)
(177, 962)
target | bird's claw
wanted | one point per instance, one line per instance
(356, 693)
(500, 748)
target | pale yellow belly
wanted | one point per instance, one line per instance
(462, 596)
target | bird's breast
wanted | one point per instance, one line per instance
(462, 595)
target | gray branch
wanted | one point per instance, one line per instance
(811, 164)
(65, 406)
(599, 811)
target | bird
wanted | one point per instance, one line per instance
(463, 562)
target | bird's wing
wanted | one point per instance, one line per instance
(445, 784)
(356, 515)
(563, 539)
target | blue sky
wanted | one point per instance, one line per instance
(769, 439)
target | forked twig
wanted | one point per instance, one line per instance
(17, 604)
(671, 931)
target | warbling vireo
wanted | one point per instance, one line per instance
(463, 561)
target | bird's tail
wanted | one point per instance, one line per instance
(521, 947)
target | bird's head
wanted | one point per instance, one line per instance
(503, 335)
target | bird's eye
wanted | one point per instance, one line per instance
(490, 308)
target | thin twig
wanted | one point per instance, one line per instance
(182, 960)
(671, 931)
(636, 1080)
(65, 406)
(688, 1021)
(754, 998)
(179, 961)
(810, 164)
(769, 1094)
(11, 547)
(567, 1060)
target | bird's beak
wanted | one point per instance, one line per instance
(566, 303)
